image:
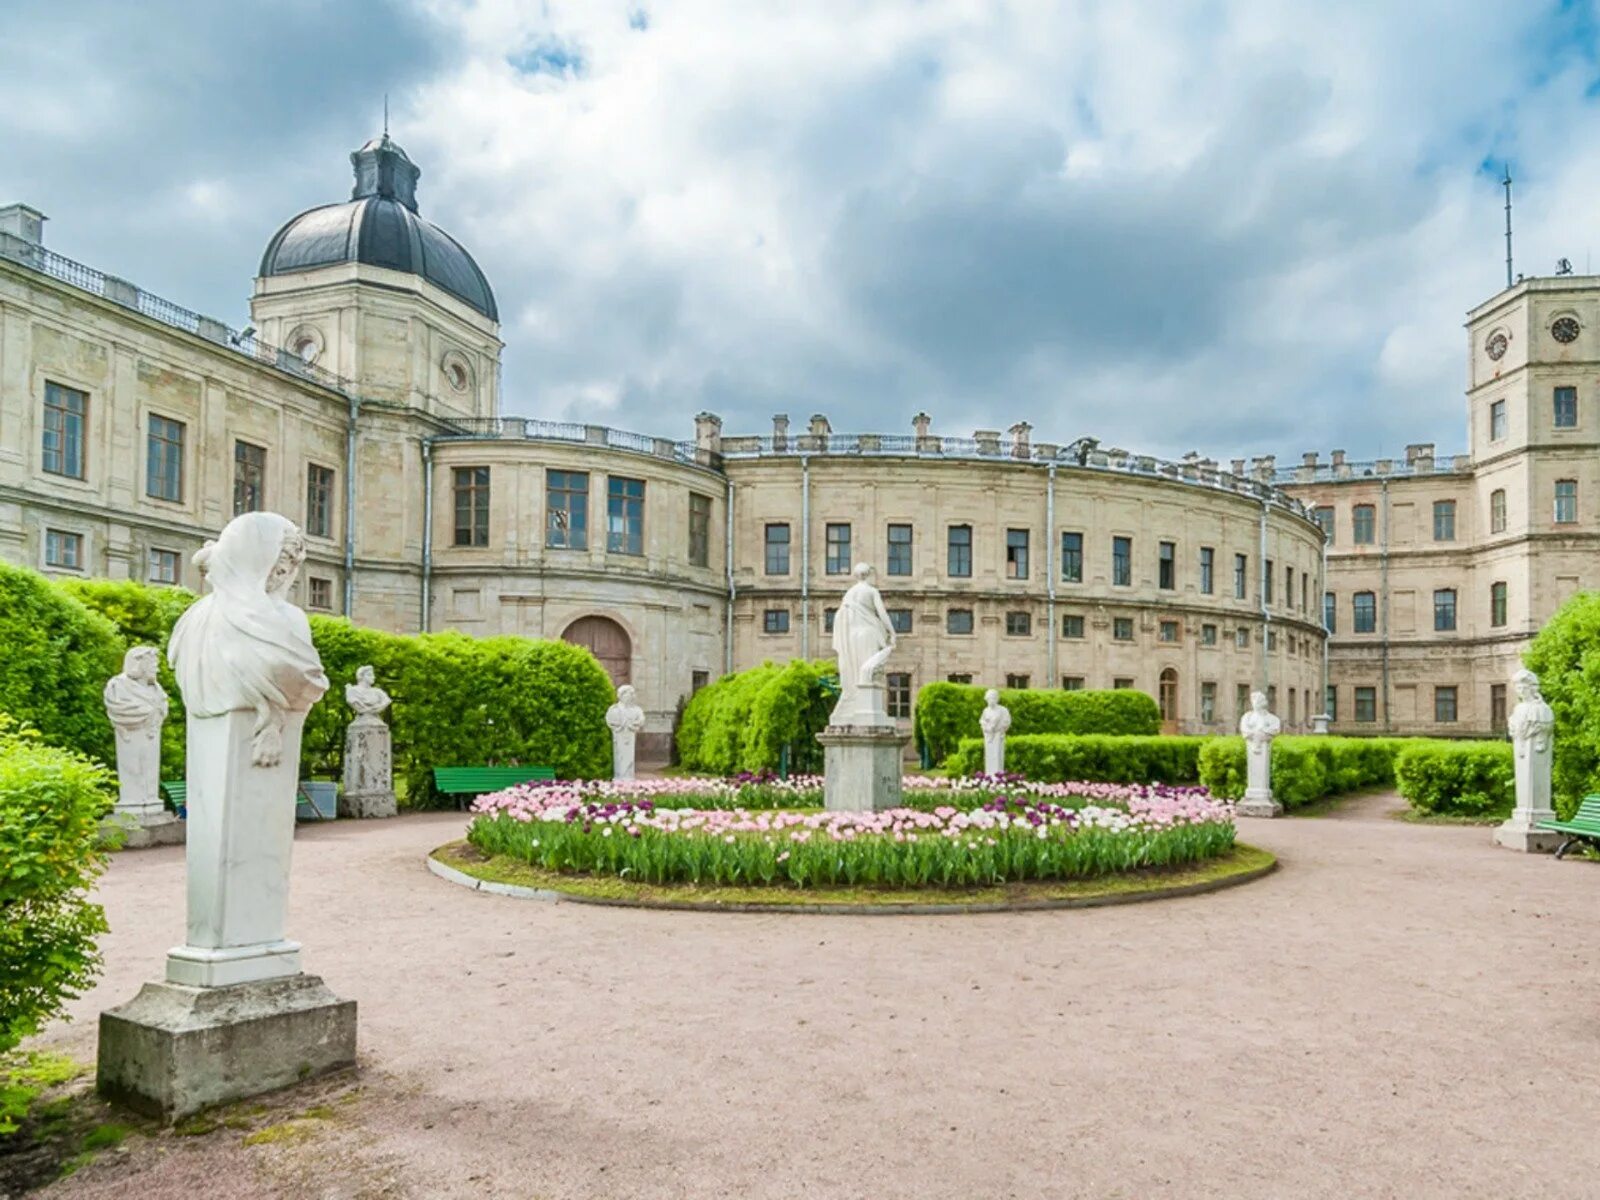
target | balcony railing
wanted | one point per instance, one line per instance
(1378, 468)
(534, 430)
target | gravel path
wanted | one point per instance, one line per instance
(1401, 1011)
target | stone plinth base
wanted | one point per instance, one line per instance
(368, 804)
(141, 830)
(861, 770)
(1518, 833)
(1258, 802)
(174, 1050)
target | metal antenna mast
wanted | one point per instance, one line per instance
(1507, 182)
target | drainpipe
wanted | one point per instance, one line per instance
(1266, 610)
(727, 553)
(350, 510)
(805, 556)
(1383, 601)
(1327, 636)
(1050, 570)
(427, 533)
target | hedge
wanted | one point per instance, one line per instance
(1468, 779)
(948, 712)
(51, 802)
(1566, 657)
(56, 658)
(1304, 768)
(1092, 757)
(743, 721)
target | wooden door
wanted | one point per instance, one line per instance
(608, 642)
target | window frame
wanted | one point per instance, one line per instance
(1167, 566)
(471, 484)
(1019, 623)
(249, 460)
(950, 621)
(1571, 499)
(1497, 510)
(776, 621)
(1444, 610)
(1208, 570)
(1071, 556)
(1017, 554)
(1371, 606)
(1444, 520)
(56, 542)
(163, 458)
(699, 530)
(897, 694)
(900, 560)
(770, 545)
(625, 515)
(64, 431)
(958, 552)
(1121, 561)
(566, 492)
(837, 554)
(1498, 604)
(1558, 394)
(319, 500)
(1364, 520)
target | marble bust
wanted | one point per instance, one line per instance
(364, 696)
(368, 752)
(863, 638)
(137, 708)
(995, 722)
(625, 719)
(1259, 727)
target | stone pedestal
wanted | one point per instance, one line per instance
(137, 831)
(368, 770)
(1259, 802)
(1518, 833)
(1319, 723)
(173, 1050)
(861, 767)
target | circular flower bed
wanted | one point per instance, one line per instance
(950, 834)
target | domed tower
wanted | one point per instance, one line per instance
(371, 291)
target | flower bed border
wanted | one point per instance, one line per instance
(1247, 863)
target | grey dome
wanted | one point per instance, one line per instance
(379, 226)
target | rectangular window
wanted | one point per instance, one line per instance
(1444, 610)
(319, 593)
(1072, 683)
(1123, 683)
(1208, 558)
(958, 621)
(1497, 511)
(698, 680)
(1566, 501)
(472, 506)
(1444, 520)
(1566, 407)
(1168, 631)
(899, 550)
(1122, 629)
(1497, 420)
(1241, 699)
(162, 566)
(1241, 638)
(163, 470)
(63, 549)
(1497, 707)
(1366, 705)
(1330, 612)
(699, 530)
(827, 619)
(961, 677)
(775, 620)
(319, 500)
(1305, 591)
(1364, 606)
(1288, 587)
(566, 504)
(1363, 518)
(1208, 702)
(1019, 624)
(1272, 697)
(1208, 635)
(959, 546)
(837, 560)
(900, 620)
(1072, 626)
(1497, 604)
(624, 515)
(778, 549)
(897, 700)
(1072, 557)
(1266, 582)
(65, 411)
(1122, 561)
(1323, 516)
(1241, 576)
(249, 478)
(1444, 705)
(1330, 702)
(1016, 554)
(1017, 682)
(1167, 566)
(1272, 640)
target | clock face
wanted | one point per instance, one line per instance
(1496, 345)
(1565, 329)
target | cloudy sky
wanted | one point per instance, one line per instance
(1238, 226)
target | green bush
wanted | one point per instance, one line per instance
(948, 712)
(1468, 779)
(1304, 768)
(1566, 657)
(743, 721)
(58, 656)
(1091, 757)
(51, 802)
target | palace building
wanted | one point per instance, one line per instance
(364, 404)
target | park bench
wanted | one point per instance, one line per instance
(472, 782)
(1584, 826)
(177, 792)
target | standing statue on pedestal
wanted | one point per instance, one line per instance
(625, 719)
(863, 638)
(368, 755)
(137, 708)
(1532, 728)
(1259, 727)
(995, 722)
(235, 1016)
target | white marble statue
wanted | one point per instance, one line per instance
(137, 708)
(1532, 726)
(1259, 727)
(994, 722)
(625, 719)
(248, 673)
(863, 638)
(368, 754)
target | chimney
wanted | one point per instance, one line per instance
(1309, 460)
(1238, 466)
(988, 440)
(708, 432)
(780, 432)
(820, 426)
(23, 223)
(1019, 439)
(1338, 458)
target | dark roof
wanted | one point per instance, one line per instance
(379, 226)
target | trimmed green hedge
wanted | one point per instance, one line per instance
(1467, 779)
(1566, 657)
(1092, 757)
(743, 721)
(946, 713)
(1304, 768)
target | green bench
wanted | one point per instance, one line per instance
(1584, 826)
(465, 782)
(176, 791)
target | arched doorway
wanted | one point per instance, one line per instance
(607, 641)
(1167, 698)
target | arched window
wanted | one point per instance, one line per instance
(608, 642)
(1168, 696)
